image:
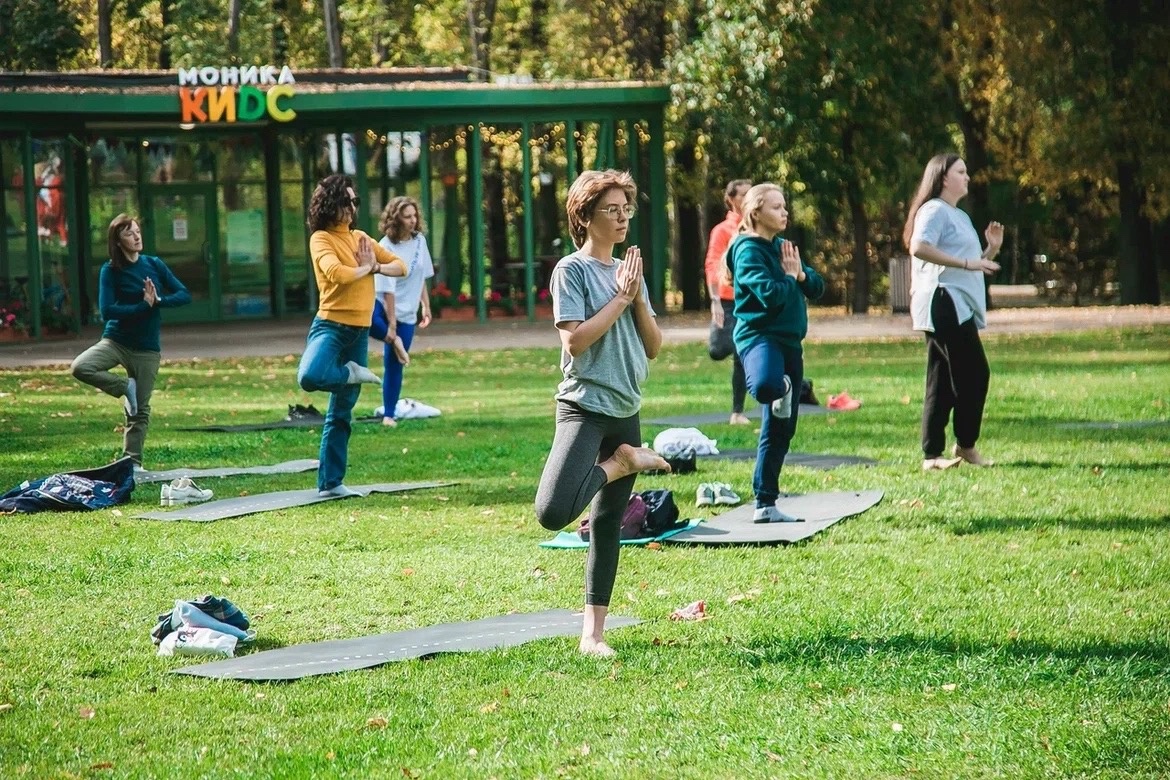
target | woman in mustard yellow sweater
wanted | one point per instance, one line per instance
(337, 350)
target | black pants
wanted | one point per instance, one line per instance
(572, 480)
(720, 345)
(957, 377)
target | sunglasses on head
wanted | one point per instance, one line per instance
(355, 201)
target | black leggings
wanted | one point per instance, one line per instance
(738, 378)
(572, 479)
(957, 377)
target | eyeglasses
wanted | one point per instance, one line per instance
(613, 212)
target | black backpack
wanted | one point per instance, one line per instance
(663, 513)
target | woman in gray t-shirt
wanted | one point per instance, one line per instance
(608, 334)
(948, 303)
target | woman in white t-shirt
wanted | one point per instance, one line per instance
(949, 303)
(398, 299)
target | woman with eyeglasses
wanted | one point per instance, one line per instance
(608, 334)
(337, 350)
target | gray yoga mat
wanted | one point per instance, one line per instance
(343, 655)
(288, 467)
(275, 425)
(717, 418)
(1095, 425)
(266, 502)
(819, 510)
(809, 461)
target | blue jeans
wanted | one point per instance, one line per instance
(392, 373)
(329, 347)
(765, 363)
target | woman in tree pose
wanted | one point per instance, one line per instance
(608, 334)
(948, 301)
(396, 310)
(771, 286)
(337, 349)
(133, 289)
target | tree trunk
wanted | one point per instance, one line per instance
(690, 244)
(233, 33)
(860, 223)
(164, 49)
(333, 34)
(279, 32)
(481, 15)
(105, 41)
(1136, 269)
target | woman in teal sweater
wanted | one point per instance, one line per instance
(133, 288)
(771, 285)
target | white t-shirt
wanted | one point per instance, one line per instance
(407, 289)
(948, 229)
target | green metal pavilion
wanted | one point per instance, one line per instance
(220, 179)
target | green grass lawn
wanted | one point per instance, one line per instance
(977, 623)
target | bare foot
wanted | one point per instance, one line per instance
(940, 464)
(595, 647)
(627, 460)
(389, 422)
(972, 456)
(738, 418)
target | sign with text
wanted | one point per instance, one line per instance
(235, 94)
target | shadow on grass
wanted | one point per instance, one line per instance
(1059, 464)
(1144, 659)
(997, 524)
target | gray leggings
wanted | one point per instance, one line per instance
(572, 479)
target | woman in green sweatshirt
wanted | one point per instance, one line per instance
(771, 285)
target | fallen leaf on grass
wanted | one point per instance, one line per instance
(896, 727)
(87, 713)
(738, 597)
(102, 765)
(408, 572)
(949, 687)
(116, 512)
(584, 749)
(226, 580)
(654, 546)
(489, 707)
(330, 756)
(773, 756)
(696, 610)
(376, 723)
(5, 707)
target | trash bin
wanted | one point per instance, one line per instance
(900, 284)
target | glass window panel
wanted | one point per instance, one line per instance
(15, 315)
(112, 161)
(243, 245)
(240, 158)
(290, 149)
(167, 159)
(294, 242)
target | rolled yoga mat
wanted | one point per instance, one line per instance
(343, 655)
(819, 510)
(266, 502)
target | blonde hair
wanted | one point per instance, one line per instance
(753, 201)
(589, 188)
(389, 224)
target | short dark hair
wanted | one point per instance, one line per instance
(329, 198)
(114, 238)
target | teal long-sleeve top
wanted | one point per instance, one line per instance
(769, 304)
(130, 320)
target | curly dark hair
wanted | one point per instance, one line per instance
(329, 198)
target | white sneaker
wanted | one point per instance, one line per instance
(724, 495)
(183, 491)
(782, 406)
(770, 514)
(359, 374)
(705, 495)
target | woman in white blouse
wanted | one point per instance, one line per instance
(948, 302)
